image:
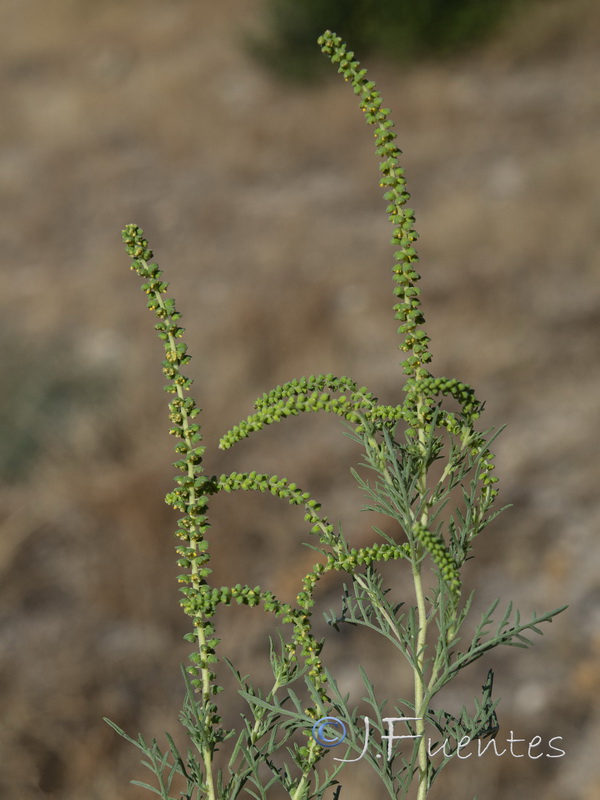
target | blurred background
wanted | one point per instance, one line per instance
(253, 175)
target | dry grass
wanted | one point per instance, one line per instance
(263, 207)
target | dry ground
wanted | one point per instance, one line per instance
(263, 206)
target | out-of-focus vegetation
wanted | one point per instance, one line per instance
(402, 29)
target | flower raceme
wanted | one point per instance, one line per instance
(434, 423)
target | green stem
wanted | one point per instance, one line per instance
(420, 704)
(301, 788)
(207, 755)
(419, 682)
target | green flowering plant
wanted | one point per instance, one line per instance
(420, 457)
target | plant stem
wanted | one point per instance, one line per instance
(419, 680)
(420, 705)
(207, 755)
(301, 788)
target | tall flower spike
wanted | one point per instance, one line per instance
(190, 497)
(408, 307)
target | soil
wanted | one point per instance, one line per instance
(262, 204)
